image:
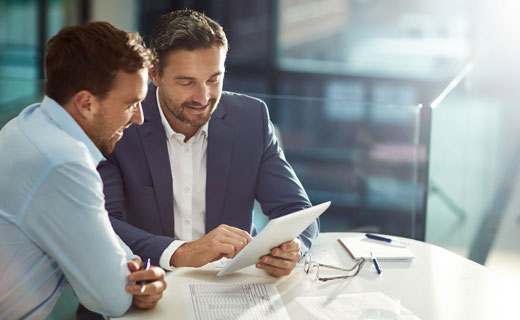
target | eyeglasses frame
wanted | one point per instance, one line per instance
(359, 262)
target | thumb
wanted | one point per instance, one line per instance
(134, 265)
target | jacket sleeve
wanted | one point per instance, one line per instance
(278, 189)
(143, 243)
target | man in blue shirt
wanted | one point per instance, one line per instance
(54, 228)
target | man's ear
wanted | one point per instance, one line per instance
(85, 104)
(154, 75)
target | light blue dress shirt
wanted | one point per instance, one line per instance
(53, 225)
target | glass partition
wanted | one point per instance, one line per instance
(365, 157)
(474, 171)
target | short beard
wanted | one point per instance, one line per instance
(180, 115)
(96, 130)
(106, 147)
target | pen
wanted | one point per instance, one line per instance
(376, 264)
(143, 283)
(380, 238)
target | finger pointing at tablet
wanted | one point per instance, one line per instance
(276, 248)
(223, 241)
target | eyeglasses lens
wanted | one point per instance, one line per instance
(313, 271)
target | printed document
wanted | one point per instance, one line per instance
(255, 301)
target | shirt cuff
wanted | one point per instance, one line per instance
(164, 261)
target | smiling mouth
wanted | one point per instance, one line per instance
(119, 133)
(197, 109)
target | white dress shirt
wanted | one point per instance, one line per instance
(188, 170)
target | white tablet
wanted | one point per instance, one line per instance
(275, 233)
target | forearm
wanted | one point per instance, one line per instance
(75, 231)
(142, 243)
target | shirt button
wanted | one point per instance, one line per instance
(187, 189)
(187, 150)
(186, 221)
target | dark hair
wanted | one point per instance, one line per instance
(187, 30)
(88, 57)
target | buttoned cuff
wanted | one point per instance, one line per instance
(164, 261)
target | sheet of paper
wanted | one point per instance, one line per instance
(321, 255)
(370, 305)
(255, 301)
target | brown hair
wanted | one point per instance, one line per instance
(88, 57)
(185, 29)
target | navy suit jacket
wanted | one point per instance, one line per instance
(244, 163)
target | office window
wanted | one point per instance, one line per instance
(25, 27)
(397, 39)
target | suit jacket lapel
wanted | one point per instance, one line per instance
(153, 138)
(220, 148)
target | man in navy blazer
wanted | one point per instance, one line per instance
(180, 188)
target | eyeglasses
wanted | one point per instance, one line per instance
(312, 268)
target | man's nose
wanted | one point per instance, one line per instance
(202, 95)
(138, 116)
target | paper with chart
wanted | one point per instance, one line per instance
(368, 305)
(257, 301)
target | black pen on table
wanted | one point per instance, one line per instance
(146, 266)
(385, 239)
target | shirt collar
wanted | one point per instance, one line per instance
(169, 130)
(65, 121)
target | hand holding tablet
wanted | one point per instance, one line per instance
(281, 260)
(275, 233)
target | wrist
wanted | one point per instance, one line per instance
(166, 255)
(178, 258)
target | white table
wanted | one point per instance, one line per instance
(437, 285)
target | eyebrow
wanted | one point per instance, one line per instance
(132, 101)
(192, 78)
